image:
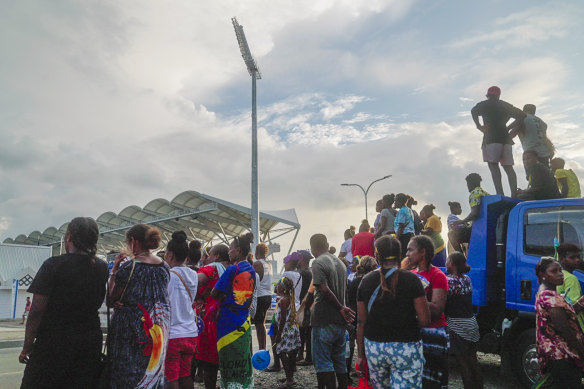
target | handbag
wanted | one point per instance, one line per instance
(104, 369)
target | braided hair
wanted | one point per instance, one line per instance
(84, 233)
(288, 286)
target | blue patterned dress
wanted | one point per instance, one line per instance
(139, 330)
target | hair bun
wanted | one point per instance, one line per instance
(450, 203)
(353, 228)
(179, 236)
(249, 236)
(152, 238)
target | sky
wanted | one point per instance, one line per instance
(106, 104)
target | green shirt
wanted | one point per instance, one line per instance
(571, 291)
(572, 179)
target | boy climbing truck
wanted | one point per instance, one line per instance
(507, 240)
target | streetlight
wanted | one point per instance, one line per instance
(254, 72)
(367, 191)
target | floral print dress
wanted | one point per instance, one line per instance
(550, 344)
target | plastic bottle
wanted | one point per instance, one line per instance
(347, 347)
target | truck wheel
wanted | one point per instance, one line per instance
(525, 360)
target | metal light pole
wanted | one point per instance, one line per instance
(255, 74)
(365, 192)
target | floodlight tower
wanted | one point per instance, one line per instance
(255, 74)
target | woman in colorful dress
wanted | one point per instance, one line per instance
(206, 354)
(433, 230)
(234, 291)
(63, 337)
(141, 320)
(434, 338)
(560, 343)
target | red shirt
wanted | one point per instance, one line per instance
(362, 244)
(434, 279)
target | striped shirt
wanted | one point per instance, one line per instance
(459, 313)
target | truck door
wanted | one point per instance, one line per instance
(539, 225)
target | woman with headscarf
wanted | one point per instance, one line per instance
(63, 337)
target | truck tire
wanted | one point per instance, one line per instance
(525, 363)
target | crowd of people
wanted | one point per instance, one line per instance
(185, 314)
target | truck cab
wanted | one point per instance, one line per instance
(508, 239)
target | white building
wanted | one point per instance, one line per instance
(20, 263)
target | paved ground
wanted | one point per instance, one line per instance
(12, 335)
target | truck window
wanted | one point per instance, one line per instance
(542, 225)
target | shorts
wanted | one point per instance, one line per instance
(179, 355)
(25, 314)
(498, 153)
(462, 235)
(436, 345)
(460, 346)
(328, 349)
(262, 307)
(395, 364)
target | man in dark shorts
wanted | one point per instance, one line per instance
(462, 235)
(496, 138)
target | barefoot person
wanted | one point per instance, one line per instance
(496, 138)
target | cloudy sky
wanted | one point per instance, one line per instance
(106, 104)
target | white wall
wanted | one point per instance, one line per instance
(6, 303)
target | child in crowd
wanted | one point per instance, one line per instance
(455, 210)
(288, 336)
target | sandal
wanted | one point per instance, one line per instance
(304, 363)
(273, 369)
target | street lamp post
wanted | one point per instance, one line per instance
(366, 191)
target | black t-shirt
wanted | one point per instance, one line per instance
(352, 289)
(392, 319)
(306, 276)
(496, 114)
(75, 287)
(542, 182)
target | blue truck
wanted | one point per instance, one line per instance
(508, 239)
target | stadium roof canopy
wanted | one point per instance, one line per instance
(203, 217)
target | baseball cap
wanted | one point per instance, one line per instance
(296, 256)
(494, 91)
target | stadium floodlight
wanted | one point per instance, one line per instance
(255, 74)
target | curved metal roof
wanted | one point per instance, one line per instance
(201, 216)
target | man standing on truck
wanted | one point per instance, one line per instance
(569, 257)
(462, 235)
(496, 138)
(542, 183)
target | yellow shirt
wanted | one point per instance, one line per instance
(435, 224)
(573, 183)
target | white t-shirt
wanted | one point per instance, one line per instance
(265, 285)
(297, 282)
(182, 317)
(346, 248)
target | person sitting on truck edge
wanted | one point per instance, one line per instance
(542, 183)
(462, 235)
(567, 180)
(560, 343)
(569, 257)
(497, 141)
